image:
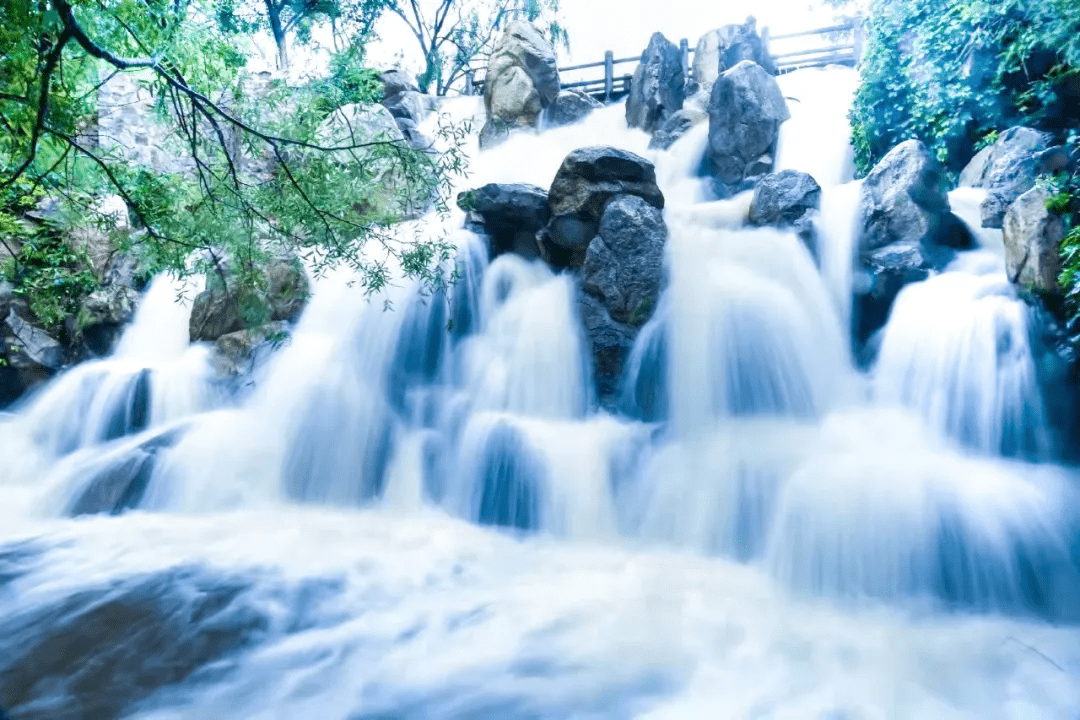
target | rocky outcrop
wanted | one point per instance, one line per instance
(658, 88)
(788, 199)
(610, 342)
(510, 214)
(676, 126)
(586, 181)
(571, 106)
(1008, 168)
(726, 47)
(237, 353)
(746, 109)
(102, 317)
(906, 230)
(31, 355)
(407, 105)
(120, 482)
(623, 265)
(223, 309)
(1033, 236)
(522, 81)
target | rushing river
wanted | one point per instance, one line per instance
(410, 518)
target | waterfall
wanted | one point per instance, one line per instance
(419, 509)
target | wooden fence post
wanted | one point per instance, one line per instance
(609, 74)
(684, 56)
(469, 88)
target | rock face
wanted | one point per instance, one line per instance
(676, 126)
(31, 356)
(219, 310)
(522, 80)
(1033, 238)
(746, 109)
(237, 353)
(99, 651)
(1007, 169)
(624, 263)
(586, 181)
(787, 199)
(726, 47)
(102, 317)
(906, 230)
(571, 106)
(658, 88)
(510, 214)
(903, 199)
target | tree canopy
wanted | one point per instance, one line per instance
(254, 175)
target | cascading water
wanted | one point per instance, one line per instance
(759, 531)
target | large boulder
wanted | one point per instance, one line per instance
(102, 317)
(1033, 236)
(1007, 169)
(788, 199)
(223, 309)
(746, 109)
(586, 181)
(624, 263)
(522, 78)
(658, 88)
(903, 199)
(571, 106)
(611, 343)
(726, 47)
(236, 354)
(511, 215)
(31, 356)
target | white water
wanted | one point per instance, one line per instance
(773, 544)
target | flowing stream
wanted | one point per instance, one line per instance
(422, 513)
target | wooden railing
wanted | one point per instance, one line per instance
(612, 87)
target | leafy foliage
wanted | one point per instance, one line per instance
(954, 73)
(253, 177)
(455, 35)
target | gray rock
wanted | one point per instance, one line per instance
(726, 47)
(236, 352)
(221, 309)
(746, 109)
(903, 199)
(522, 77)
(611, 343)
(28, 346)
(783, 199)
(658, 89)
(102, 317)
(571, 106)
(511, 215)
(410, 104)
(1007, 169)
(880, 276)
(396, 82)
(675, 127)
(624, 264)
(1033, 238)
(587, 179)
(121, 482)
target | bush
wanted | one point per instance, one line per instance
(955, 73)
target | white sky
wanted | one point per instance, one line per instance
(623, 26)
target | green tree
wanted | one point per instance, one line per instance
(322, 198)
(453, 35)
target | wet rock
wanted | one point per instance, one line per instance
(223, 309)
(571, 106)
(746, 109)
(522, 78)
(396, 82)
(904, 199)
(658, 88)
(121, 480)
(880, 276)
(102, 317)
(676, 126)
(784, 198)
(237, 353)
(511, 214)
(1008, 168)
(726, 47)
(29, 355)
(624, 264)
(1033, 236)
(586, 181)
(99, 652)
(611, 343)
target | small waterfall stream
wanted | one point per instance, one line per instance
(422, 513)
